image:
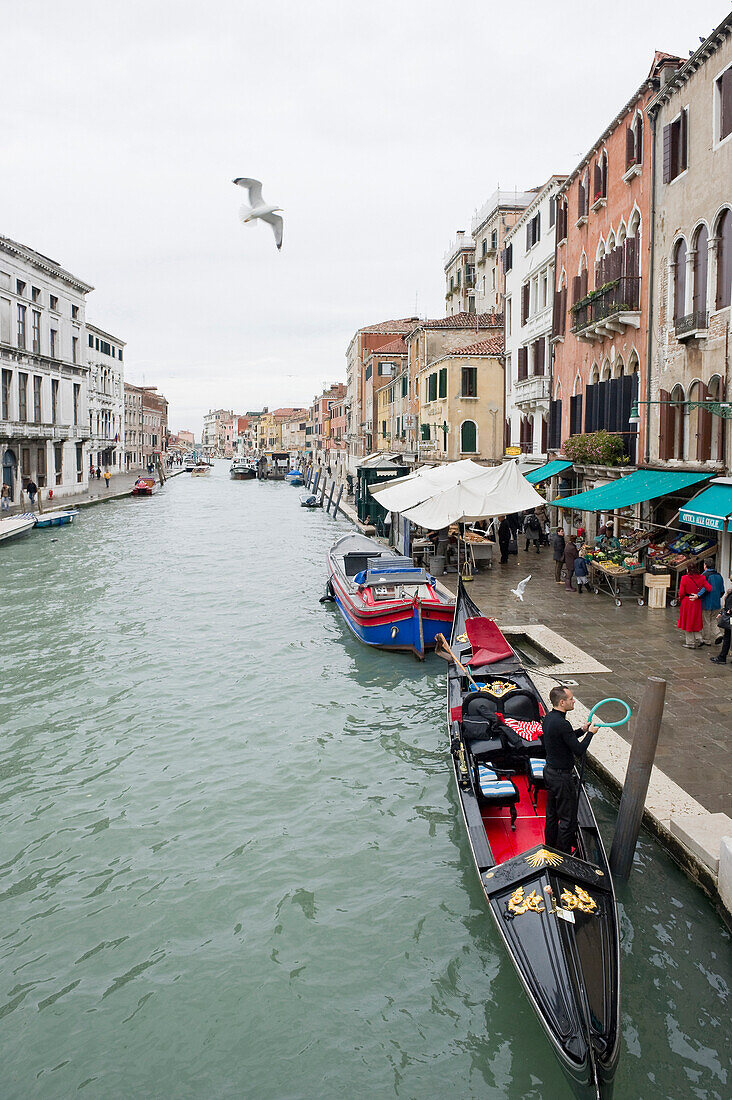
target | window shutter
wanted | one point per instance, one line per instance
(537, 227)
(556, 313)
(597, 182)
(563, 312)
(539, 356)
(704, 430)
(443, 381)
(667, 143)
(580, 200)
(552, 211)
(629, 147)
(630, 257)
(665, 436)
(639, 141)
(683, 140)
(525, 303)
(583, 283)
(522, 363)
(576, 288)
(528, 236)
(725, 103)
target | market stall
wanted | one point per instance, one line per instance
(677, 553)
(619, 573)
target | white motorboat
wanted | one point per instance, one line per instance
(14, 526)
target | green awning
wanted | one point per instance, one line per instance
(630, 489)
(543, 473)
(711, 508)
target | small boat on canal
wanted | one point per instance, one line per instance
(60, 518)
(385, 600)
(295, 477)
(555, 913)
(144, 486)
(202, 469)
(243, 469)
(310, 500)
(15, 526)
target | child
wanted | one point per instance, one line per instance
(581, 572)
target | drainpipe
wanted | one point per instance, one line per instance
(649, 349)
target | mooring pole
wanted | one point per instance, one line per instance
(637, 777)
(338, 502)
(330, 498)
(315, 482)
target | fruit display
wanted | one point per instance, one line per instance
(680, 552)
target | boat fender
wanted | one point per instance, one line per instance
(394, 631)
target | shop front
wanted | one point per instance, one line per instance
(710, 516)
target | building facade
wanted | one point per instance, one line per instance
(146, 426)
(106, 400)
(359, 428)
(489, 227)
(44, 421)
(528, 265)
(462, 403)
(214, 429)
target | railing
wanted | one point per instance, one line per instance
(691, 323)
(621, 296)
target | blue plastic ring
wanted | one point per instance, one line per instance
(612, 725)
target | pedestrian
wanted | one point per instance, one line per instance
(107, 476)
(561, 745)
(711, 603)
(558, 554)
(532, 530)
(504, 538)
(31, 489)
(724, 623)
(514, 522)
(581, 572)
(99, 472)
(690, 612)
(5, 497)
(541, 515)
(570, 557)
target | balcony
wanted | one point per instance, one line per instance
(528, 391)
(609, 310)
(694, 324)
(599, 202)
(633, 169)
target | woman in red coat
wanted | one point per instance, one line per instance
(690, 613)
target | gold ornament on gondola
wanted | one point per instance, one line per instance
(499, 688)
(462, 638)
(580, 899)
(518, 904)
(552, 859)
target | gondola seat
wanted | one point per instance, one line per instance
(497, 790)
(521, 704)
(536, 781)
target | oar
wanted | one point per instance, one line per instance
(442, 649)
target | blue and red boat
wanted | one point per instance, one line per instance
(385, 600)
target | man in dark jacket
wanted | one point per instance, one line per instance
(558, 554)
(532, 530)
(504, 538)
(562, 745)
(726, 609)
(570, 557)
(711, 603)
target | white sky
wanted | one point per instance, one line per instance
(379, 127)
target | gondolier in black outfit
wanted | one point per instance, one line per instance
(562, 745)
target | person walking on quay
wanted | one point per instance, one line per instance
(99, 472)
(504, 538)
(711, 603)
(562, 745)
(31, 489)
(5, 497)
(532, 530)
(558, 554)
(724, 618)
(690, 613)
(570, 557)
(107, 477)
(581, 572)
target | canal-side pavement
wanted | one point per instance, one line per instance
(120, 486)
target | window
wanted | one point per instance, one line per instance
(583, 197)
(77, 396)
(562, 220)
(74, 349)
(23, 398)
(368, 372)
(383, 429)
(459, 273)
(468, 437)
(508, 257)
(431, 394)
(91, 341)
(724, 260)
(53, 302)
(58, 461)
(525, 297)
(680, 280)
(552, 211)
(494, 239)
(700, 277)
(5, 406)
(634, 143)
(119, 354)
(539, 356)
(425, 432)
(675, 143)
(533, 231)
(74, 313)
(469, 382)
(36, 399)
(599, 187)
(54, 399)
(443, 382)
(35, 294)
(507, 313)
(484, 247)
(36, 333)
(523, 360)
(386, 369)
(79, 462)
(405, 385)
(41, 466)
(723, 86)
(20, 287)
(21, 327)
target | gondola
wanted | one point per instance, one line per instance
(556, 913)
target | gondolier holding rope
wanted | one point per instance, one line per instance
(562, 745)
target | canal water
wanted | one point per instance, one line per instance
(231, 860)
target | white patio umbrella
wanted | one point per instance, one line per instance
(415, 488)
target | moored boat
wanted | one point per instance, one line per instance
(310, 500)
(295, 477)
(201, 470)
(144, 486)
(243, 469)
(555, 912)
(59, 518)
(385, 600)
(14, 526)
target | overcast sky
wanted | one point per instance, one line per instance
(379, 127)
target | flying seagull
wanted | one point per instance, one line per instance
(520, 588)
(258, 208)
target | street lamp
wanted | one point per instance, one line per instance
(716, 408)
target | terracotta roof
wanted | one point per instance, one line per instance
(404, 324)
(394, 347)
(492, 346)
(286, 412)
(465, 320)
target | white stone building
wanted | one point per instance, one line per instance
(44, 421)
(489, 227)
(528, 259)
(106, 399)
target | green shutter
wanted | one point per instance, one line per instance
(425, 431)
(405, 385)
(468, 438)
(443, 382)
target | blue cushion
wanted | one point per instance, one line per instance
(537, 768)
(493, 787)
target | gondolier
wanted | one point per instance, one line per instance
(562, 745)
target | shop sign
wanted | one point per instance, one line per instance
(513, 451)
(715, 523)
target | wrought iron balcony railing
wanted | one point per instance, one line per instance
(693, 322)
(621, 296)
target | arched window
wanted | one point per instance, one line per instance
(594, 374)
(700, 275)
(680, 279)
(638, 139)
(724, 260)
(632, 367)
(527, 435)
(677, 422)
(605, 372)
(618, 367)
(714, 390)
(468, 437)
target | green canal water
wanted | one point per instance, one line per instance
(231, 863)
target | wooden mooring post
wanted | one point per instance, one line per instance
(338, 502)
(330, 498)
(637, 777)
(315, 482)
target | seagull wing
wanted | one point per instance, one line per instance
(521, 586)
(276, 222)
(254, 187)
